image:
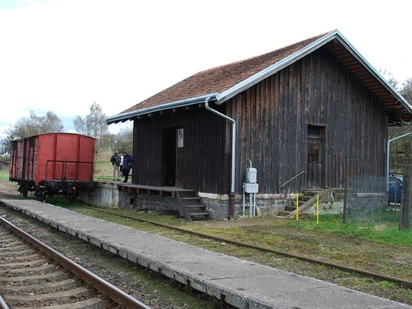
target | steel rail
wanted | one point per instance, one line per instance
(3, 304)
(406, 283)
(103, 286)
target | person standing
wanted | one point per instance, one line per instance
(127, 165)
(115, 159)
(121, 164)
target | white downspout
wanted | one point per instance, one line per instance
(388, 148)
(232, 186)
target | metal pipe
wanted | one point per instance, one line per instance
(294, 177)
(232, 186)
(387, 156)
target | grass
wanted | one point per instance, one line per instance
(103, 169)
(4, 175)
(380, 232)
(329, 225)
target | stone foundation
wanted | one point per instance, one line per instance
(266, 204)
(108, 195)
(164, 205)
(104, 195)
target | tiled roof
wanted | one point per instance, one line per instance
(224, 82)
(220, 78)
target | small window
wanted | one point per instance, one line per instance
(180, 138)
(314, 131)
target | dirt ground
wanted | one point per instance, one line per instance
(8, 189)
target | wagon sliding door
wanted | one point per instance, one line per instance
(316, 157)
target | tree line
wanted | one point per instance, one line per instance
(93, 125)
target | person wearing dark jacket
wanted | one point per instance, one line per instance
(127, 165)
(115, 159)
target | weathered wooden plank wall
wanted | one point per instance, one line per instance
(272, 131)
(206, 159)
(272, 119)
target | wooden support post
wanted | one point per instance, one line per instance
(405, 215)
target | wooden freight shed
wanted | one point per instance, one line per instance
(303, 116)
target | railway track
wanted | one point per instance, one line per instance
(33, 275)
(403, 282)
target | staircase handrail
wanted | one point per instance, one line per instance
(293, 178)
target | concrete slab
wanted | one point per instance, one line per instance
(240, 283)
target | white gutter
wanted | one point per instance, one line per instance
(232, 186)
(387, 156)
(158, 108)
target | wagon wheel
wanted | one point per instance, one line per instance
(43, 196)
(25, 189)
(40, 194)
(72, 194)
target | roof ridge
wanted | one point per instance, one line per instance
(288, 47)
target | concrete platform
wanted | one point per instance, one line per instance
(240, 283)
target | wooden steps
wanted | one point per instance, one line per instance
(305, 201)
(192, 206)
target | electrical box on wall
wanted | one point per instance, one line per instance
(251, 187)
(251, 175)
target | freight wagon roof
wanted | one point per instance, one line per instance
(224, 82)
(59, 133)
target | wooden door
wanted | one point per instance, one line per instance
(315, 161)
(173, 150)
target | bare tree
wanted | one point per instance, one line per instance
(406, 90)
(389, 78)
(31, 126)
(124, 140)
(93, 125)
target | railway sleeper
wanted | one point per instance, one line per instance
(53, 277)
(44, 286)
(91, 303)
(31, 300)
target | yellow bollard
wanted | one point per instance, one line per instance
(297, 206)
(317, 209)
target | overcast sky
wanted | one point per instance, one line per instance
(63, 55)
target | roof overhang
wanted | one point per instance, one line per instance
(167, 106)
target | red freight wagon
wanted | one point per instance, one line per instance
(53, 163)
